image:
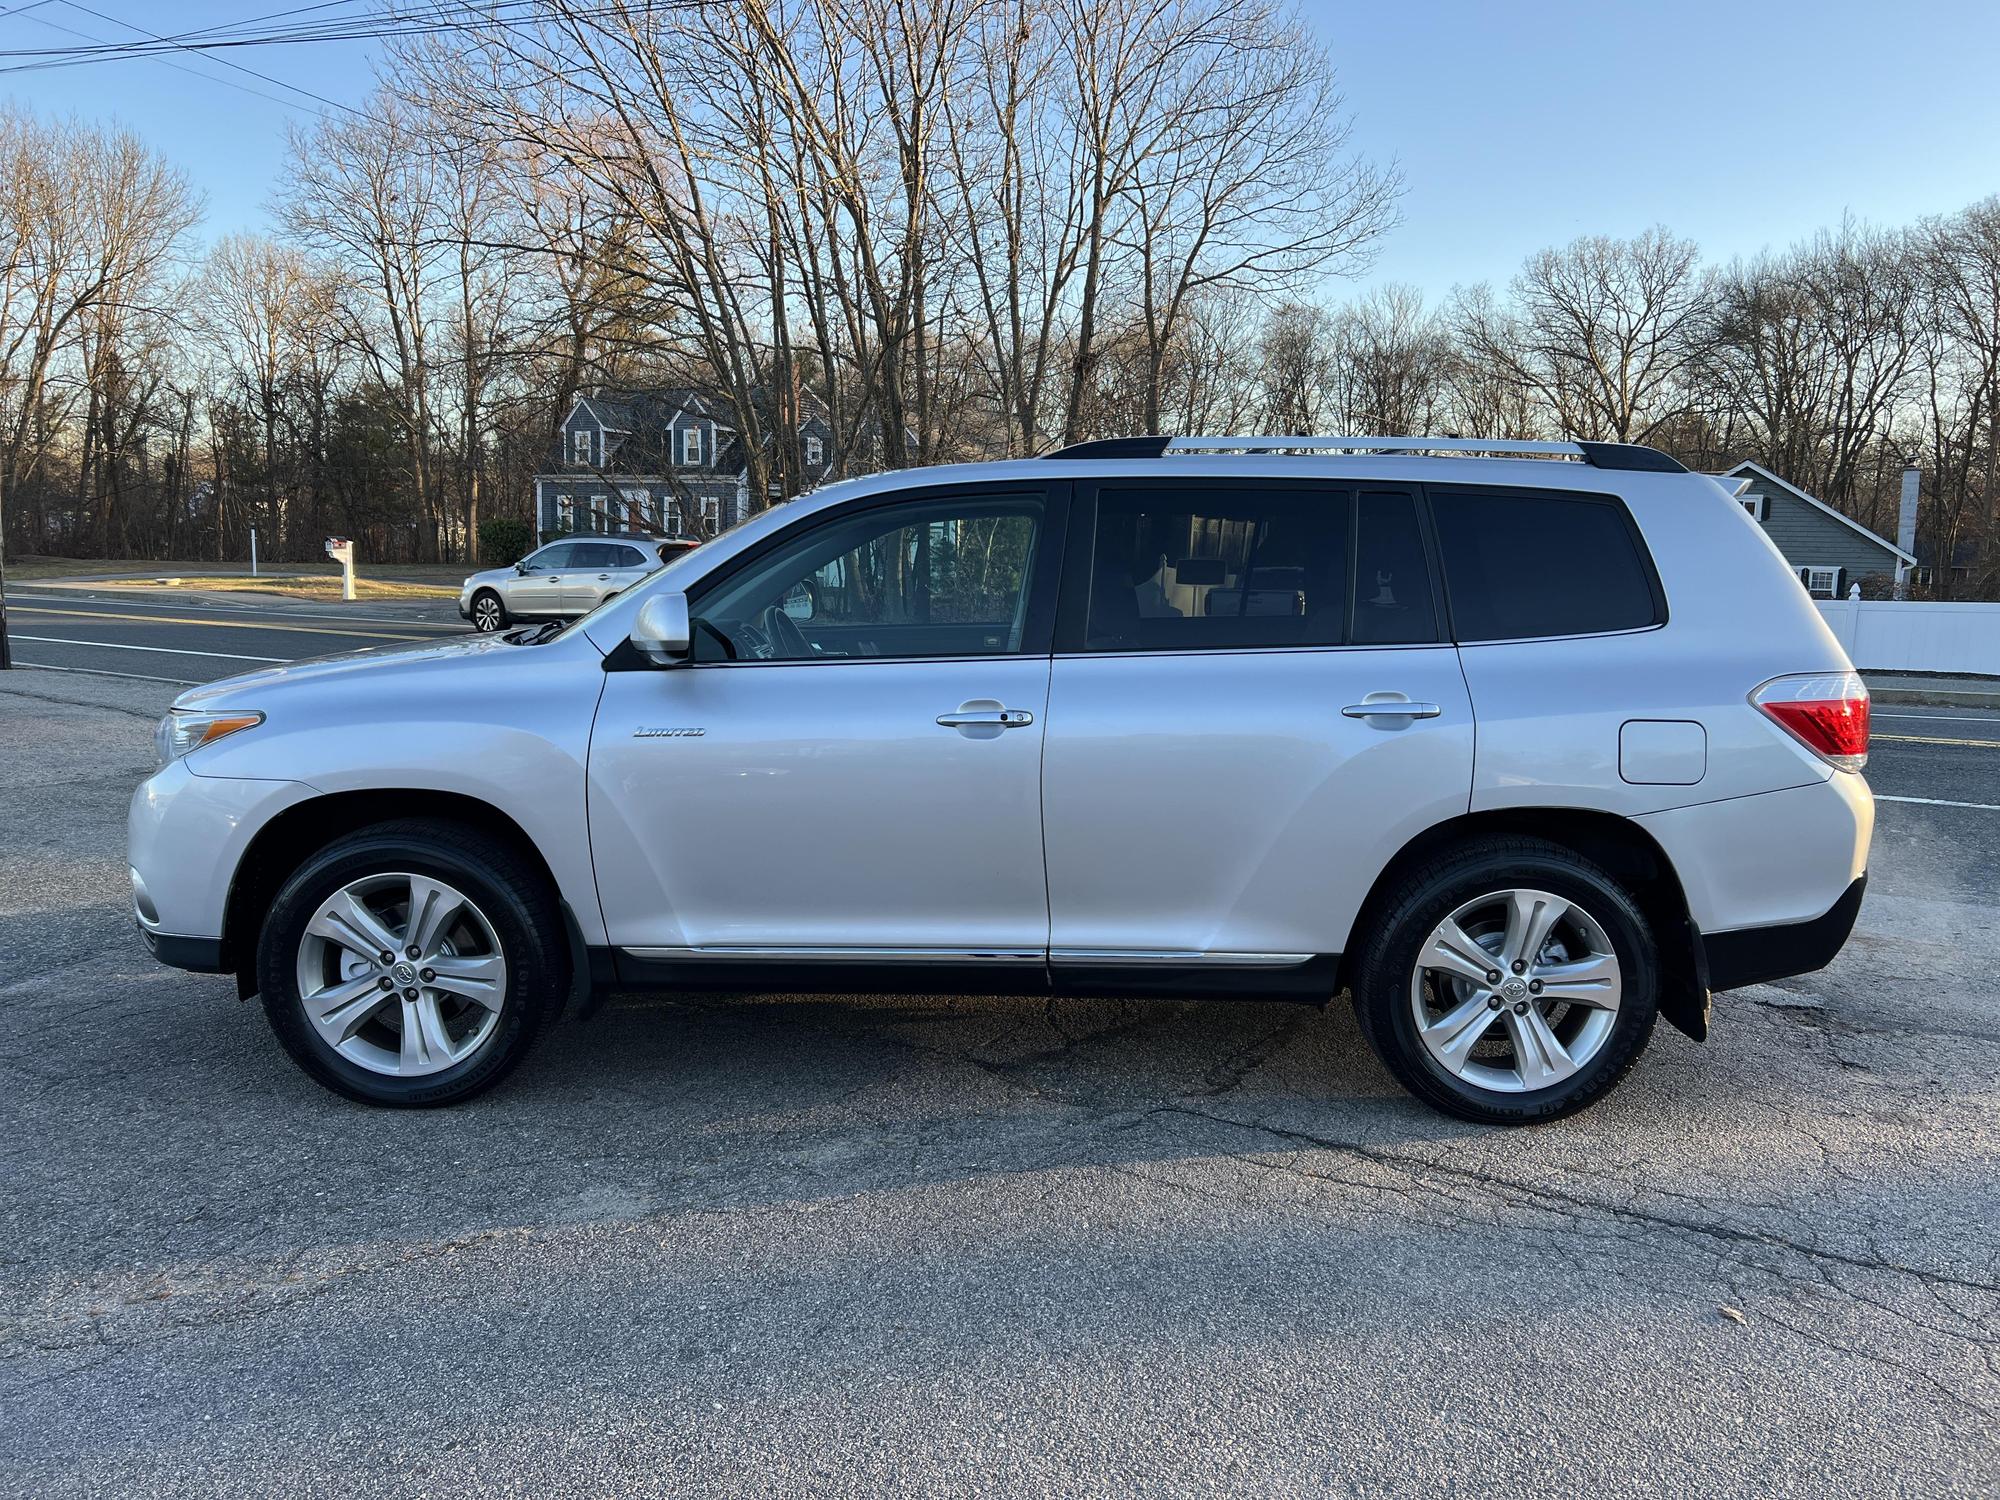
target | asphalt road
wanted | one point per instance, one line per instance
(183, 639)
(790, 1245)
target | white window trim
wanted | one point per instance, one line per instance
(566, 513)
(1759, 506)
(691, 447)
(674, 527)
(1810, 572)
(815, 453)
(579, 448)
(600, 509)
(711, 511)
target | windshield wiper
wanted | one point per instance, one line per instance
(535, 637)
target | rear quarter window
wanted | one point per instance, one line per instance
(1521, 564)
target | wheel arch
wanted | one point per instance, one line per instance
(297, 832)
(1621, 846)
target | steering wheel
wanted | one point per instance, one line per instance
(788, 642)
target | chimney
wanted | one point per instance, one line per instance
(1906, 525)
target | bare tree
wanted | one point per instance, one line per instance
(89, 223)
(1244, 179)
(368, 189)
(1603, 332)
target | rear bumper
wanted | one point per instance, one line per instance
(1774, 859)
(1757, 955)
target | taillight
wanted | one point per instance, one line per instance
(1827, 712)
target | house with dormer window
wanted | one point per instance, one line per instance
(667, 461)
(1827, 548)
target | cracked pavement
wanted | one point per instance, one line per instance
(781, 1245)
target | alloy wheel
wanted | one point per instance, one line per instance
(1516, 990)
(402, 974)
(486, 614)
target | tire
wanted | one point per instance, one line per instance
(1491, 1064)
(489, 614)
(496, 931)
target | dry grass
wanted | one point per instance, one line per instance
(291, 588)
(297, 581)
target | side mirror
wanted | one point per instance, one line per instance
(662, 633)
(521, 567)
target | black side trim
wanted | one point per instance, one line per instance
(1121, 447)
(1315, 981)
(198, 955)
(777, 976)
(1630, 456)
(1757, 955)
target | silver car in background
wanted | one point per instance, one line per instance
(566, 578)
(1523, 745)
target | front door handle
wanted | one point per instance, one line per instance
(1401, 708)
(991, 718)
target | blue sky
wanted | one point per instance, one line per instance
(1742, 125)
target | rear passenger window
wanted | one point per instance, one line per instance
(1392, 578)
(1520, 564)
(1193, 569)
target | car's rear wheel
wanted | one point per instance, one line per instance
(1508, 982)
(412, 963)
(488, 613)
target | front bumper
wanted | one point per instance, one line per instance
(199, 955)
(185, 836)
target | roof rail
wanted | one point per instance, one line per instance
(1597, 455)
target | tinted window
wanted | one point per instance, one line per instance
(932, 578)
(1192, 569)
(1519, 564)
(561, 555)
(1392, 577)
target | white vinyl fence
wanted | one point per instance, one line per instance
(1886, 635)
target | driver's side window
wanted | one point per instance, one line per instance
(551, 558)
(928, 578)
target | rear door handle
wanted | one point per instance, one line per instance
(1400, 708)
(1000, 718)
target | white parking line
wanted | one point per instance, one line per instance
(42, 666)
(98, 601)
(56, 640)
(1954, 718)
(1941, 802)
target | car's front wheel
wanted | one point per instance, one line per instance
(488, 613)
(412, 963)
(1508, 982)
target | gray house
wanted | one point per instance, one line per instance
(1828, 550)
(665, 461)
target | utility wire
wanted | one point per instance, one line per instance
(226, 62)
(177, 67)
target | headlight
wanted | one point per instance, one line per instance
(183, 730)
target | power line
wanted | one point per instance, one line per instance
(470, 15)
(226, 62)
(177, 67)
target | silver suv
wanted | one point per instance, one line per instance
(1523, 745)
(566, 578)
